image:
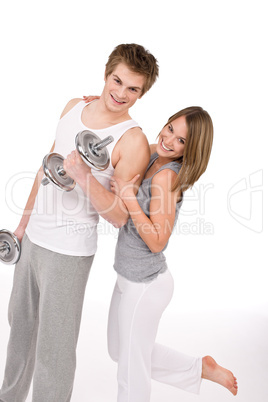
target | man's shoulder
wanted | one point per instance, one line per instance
(134, 143)
(73, 102)
(133, 140)
(134, 134)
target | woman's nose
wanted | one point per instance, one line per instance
(168, 139)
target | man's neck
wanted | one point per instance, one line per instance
(99, 113)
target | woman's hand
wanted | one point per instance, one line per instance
(76, 168)
(124, 189)
(90, 98)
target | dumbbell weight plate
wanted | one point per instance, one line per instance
(52, 165)
(85, 141)
(13, 246)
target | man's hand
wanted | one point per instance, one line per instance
(76, 168)
(19, 232)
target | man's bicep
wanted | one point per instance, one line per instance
(133, 160)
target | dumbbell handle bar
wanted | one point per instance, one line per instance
(102, 144)
(4, 248)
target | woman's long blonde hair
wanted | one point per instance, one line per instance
(197, 146)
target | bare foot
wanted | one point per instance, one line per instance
(213, 372)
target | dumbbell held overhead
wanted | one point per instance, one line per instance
(10, 248)
(92, 151)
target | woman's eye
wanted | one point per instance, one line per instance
(170, 128)
(117, 81)
(181, 140)
(133, 89)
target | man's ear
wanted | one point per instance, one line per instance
(106, 75)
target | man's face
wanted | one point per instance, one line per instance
(122, 88)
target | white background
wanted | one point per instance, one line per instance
(212, 54)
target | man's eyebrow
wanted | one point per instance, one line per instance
(116, 76)
(119, 79)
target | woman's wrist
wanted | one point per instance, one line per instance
(132, 204)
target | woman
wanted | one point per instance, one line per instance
(144, 285)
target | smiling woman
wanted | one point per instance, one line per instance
(196, 148)
(144, 285)
(172, 139)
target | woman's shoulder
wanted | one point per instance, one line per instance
(164, 178)
(170, 166)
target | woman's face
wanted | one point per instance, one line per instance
(172, 139)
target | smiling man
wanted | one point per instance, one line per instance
(125, 83)
(59, 239)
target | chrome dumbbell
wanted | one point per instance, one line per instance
(10, 248)
(91, 149)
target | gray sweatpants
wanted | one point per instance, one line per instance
(44, 315)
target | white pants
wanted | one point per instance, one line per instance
(135, 312)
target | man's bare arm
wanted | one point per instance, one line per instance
(19, 232)
(134, 159)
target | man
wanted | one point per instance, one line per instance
(59, 236)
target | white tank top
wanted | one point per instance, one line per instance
(66, 222)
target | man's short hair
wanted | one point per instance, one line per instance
(137, 59)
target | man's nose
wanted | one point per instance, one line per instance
(121, 92)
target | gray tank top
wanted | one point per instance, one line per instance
(133, 258)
